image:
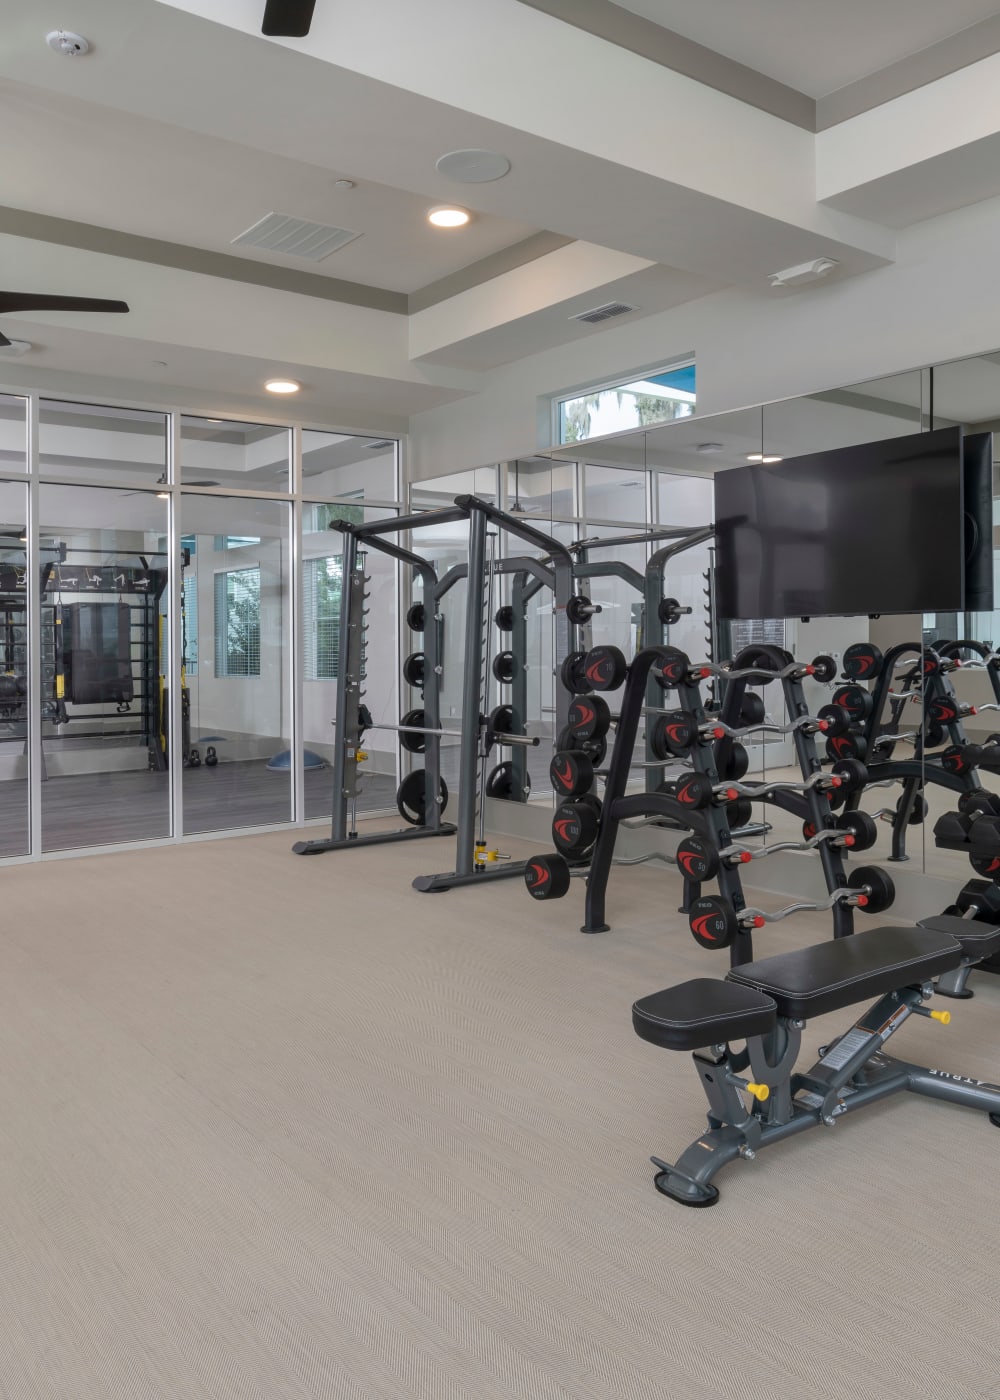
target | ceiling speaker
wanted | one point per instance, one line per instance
(474, 167)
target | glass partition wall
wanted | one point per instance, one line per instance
(169, 609)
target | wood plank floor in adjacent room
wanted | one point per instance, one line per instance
(275, 1128)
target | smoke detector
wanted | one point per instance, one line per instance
(65, 41)
(802, 273)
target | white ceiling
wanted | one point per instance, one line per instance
(76, 158)
(815, 46)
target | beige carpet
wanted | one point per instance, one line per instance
(284, 1128)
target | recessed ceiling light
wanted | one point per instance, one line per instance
(282, 386)
(448, 216)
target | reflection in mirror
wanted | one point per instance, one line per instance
(13, 433)
(322, 579)
(14, 817)
(339, 464)
(104, 666)
(88, 441)
(238, 730)
(222, 452)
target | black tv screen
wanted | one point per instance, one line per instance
(876, 528)
(977, 482)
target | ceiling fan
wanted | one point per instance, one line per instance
(37, 301)
(288, 19)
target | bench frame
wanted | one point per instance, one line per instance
(851, 1072)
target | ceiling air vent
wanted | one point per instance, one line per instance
(298, 238)
(603, 313)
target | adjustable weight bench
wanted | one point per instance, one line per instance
(766, 1004)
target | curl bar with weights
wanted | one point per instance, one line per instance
(676, 669)
(548, 876)
(675, 733)
(806, 724)
(572, 771)
(858, 825)
(715, 922)
(701, 861)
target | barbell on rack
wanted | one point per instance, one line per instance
(490, 725)
(715, 922)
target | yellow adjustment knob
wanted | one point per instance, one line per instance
(360, 756)
(760, 1092)
(943, 1016)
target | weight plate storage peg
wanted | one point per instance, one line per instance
(416, 618)
(571, 673)
(696, 859)
(571, 773)
(713, 921)
(504, 666)
(413, 743)
(505, 618)
(863, 662)
(574, 828)
(411, 798)
(580, 610)
(876, 884)
(413, 669)
(589, 717)
(547, 876)
(605, 668)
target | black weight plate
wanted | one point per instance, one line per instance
(672, 668)
(546, 876)
(605, 668)
(713, 921)
(752, 710)
(416, 618)
(943, 709)
(413, 743)
(595, 749)
(669, 611)
(987, 866)
(824, 668)
(505, 618)
(954, 760)
(739, 813)
(411, 798)
(934, 735)
(850, 745)
(861, 826)
(852, 773)
(919, 812)
(881, 891)
(574, 828)
(834, 719)
(589, 716)
(673, 734)
(855, 700)
(413, 669)
(504, 720)
(571, 673)
(571, 773)
(500, 783)
(504, 666)
(693, 790)
(697, 859)
(732, 761)
(863, 662)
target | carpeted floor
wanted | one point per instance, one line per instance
(282, 1129)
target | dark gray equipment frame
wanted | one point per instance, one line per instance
(473, 743)
(349, 732)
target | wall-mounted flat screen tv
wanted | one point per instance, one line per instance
(875, 528)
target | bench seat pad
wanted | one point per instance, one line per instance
(704, 1011)
(977, 941)
(812, 981)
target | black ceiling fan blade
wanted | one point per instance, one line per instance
(38, 301)
(3, 340)
(288, 19)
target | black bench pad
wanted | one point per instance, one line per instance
(977, 940)
(812, 981)
(701, 1012)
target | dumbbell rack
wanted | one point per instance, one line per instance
(808, 802)
(935, 690)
